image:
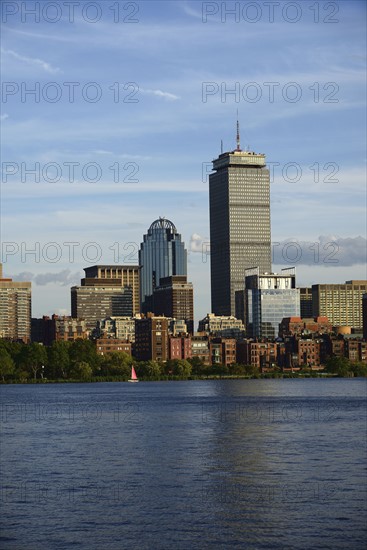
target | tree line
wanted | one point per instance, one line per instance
(79, 361)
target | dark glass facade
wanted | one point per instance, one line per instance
(161, 254)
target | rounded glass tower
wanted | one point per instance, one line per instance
(161, 254)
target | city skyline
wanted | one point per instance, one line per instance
(164, 143)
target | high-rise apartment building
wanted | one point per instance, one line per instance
(94, 303)
(269, 298)
(15, 309)
(162, 254)
(114, 276)
(342, 304)
(174, 297)
(239, 197)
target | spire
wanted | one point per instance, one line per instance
(238, 134)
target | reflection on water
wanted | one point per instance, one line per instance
(207, 464)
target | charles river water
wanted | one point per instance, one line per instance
(250, 464)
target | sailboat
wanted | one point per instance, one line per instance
(133, 378)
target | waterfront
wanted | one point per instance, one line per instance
(255, 464)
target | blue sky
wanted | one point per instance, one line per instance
(153, 98)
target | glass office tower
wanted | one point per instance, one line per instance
(239, 197)
(161, 254)
(269, 298)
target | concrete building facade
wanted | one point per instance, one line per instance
(15, 309)
(239, 205)
(341, 303)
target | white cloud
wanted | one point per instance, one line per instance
(64, 278)
(4, 116)
(159, 93)
(32, 61)
(199, 244)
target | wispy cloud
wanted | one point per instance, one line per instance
(186, 8)
(160, 93)
(32, 61)
(4, 116)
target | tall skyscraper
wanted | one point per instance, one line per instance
(15, 309)
(239, 197)
(161, 254)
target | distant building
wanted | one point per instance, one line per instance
(151, 338)
(262, 355)
(269, 298)
(306, 302)
(49, 329)
(240, 305)
(337, 347)
(309, 352)
(364, 315)
(341, 303)
(222, 325)
(174, 297)
(291, 326)
(179, 347)
(239, 207)
(162, 254)
(222, 351)
(115, 276)
(177, 327)
(94, 303)
(122, 328)
(108, 345)
(15, 309)
(200, 348)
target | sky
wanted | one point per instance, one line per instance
(111, 113)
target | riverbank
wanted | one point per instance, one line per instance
(264, 376)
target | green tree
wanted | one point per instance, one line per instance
(220, 370)
(339, 366)
(59, 364)
(359, 369)
(33, 358)
(6, 364)
(150, 369)
(117, 363)
(198, 366)
(251, 370)
(14, 349)
(82, 370)
(181, 368)
(237, 368)
(84, 350)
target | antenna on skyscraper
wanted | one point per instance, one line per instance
(221, 147)
(238, 134)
